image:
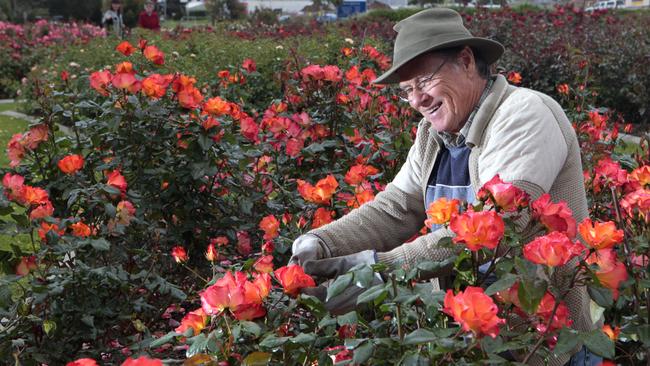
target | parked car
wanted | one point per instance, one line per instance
(607, 4)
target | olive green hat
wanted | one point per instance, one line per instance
(430, 30)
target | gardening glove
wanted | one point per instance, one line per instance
(343, 302)
(336, 266)
(306, 247)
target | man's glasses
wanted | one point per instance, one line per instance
(424, 83)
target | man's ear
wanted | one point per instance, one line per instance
(466, 58)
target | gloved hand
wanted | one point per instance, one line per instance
(306, 247)
(336, 266)
(343, 302)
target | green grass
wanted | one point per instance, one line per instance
(8, 127)
(10, 107)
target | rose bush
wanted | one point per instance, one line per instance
(163, 214)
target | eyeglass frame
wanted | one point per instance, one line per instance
(421, 85)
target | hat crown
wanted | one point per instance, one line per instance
(431, 30)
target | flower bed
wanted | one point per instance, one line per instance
(162, 223)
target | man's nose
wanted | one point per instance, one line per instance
(420, 98)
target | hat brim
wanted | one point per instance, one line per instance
(488, 49)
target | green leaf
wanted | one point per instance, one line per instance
(21, 219)
(251, 328)
(257, 359)
(502, 284)
(199, 345)
(530, 293)
(527, 269)
(313, 304)
(373, 293)
(566, 341)
(419, 336)
(49, 326)
(599, 343)
(644, 334)
(601, 295)
(347, 318)
(110, 189)
(303, 338)
(414, 359)
(363, 353)
(339, 285)
(100, 244)
(163, 340)
(273, 341)
(363, 276)
(491, 345)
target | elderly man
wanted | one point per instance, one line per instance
(474, 126)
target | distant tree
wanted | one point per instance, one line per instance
(225, 9)
(85, 10)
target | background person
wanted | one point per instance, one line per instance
(474, 126)
(148, 18)
(112, 19)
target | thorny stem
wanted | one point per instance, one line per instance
(195, 273)
(550, 320)
(399, 309)
(492, 266)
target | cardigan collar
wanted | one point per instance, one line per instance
(483, 115)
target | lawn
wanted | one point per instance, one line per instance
(8, 127)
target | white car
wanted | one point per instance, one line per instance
(607, 4)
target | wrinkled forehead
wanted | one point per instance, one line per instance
(419, 66)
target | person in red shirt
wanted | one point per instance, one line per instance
(149, 18)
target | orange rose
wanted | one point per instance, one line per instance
(155, 86)
(234, 292)
(34, 196)
(514, 77)
(600, 235)
(80, 229)
(194, 319)
(610, 271)
(503, 195)
(293, 278)
(478, 229)
(46, 228)
(125, 48)
(474, 310)
(545, 310)
(83, 362)
(554, 249)
(264, 264)
(641, 175)
(322, 216)
(611, 333)
(320, 193)
(126, 81)
(71, 164)
(270, 225)
(117, 180)
(124, 67)
(190, 98)
(99, 81)
(358, 174)
(142, 361)
(216, 106)
(563, 89)
(554, 216)
(440, 211)
(153, 54)
(13, 184)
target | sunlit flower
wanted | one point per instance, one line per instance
(71, 164)
(440, 211)
(612, 333)
(99, 81)
(514, 77)
(503, 195)
(482, 229)
(563, 89)
(270, 225)
(211, 253)
(600, 235)
(249, 65)
(554, 249)
(83, 362)
(322, 216)
(125, 48)
(545, 310)
(610, 272)
(117, 180)
(474, 310)
(358, 173)
(194, 319)
(293, 278)
(554, 216)
(264, 264)
(321, 193)
(80, 229)
(153, 54)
